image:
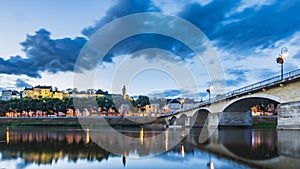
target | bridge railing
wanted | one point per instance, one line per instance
(264, 83)
(259, 85)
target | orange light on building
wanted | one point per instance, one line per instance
(7, 135)
(87, 136)
(167, 139)
(182, 151)
(142, 135)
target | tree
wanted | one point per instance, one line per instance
(99, 91)
(69, 90)
(142, 101)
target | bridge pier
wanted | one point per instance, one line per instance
(213, 120)
(289, 116)
(187, 121)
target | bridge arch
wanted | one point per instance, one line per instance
(200, 116)
(244, 103)
(181, 120)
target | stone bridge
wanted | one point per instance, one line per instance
(233, 108)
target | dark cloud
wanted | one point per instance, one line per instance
(140, 41)
(208, 17)
(122, 8)
(21, 83)
(146, 41)
(238, 32)
(232, 31)
(44, 54)
(261, 28)
(244, 31)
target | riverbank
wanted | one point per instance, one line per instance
(39, 121)
(261, 122)
(77, 122)
(258, 122)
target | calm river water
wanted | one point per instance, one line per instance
(56, 147)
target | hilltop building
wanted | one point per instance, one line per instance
(10, 94)
(38, 92)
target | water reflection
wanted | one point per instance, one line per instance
(138, 142)
(49, 146)
(7, 135)
(182, 151)
(124, 158)
(250, 144)
(42, 146)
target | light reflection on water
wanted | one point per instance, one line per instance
(27, 147)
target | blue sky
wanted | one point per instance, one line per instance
(40, 40)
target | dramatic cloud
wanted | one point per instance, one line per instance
(140, 41)
(208, 17)
(145, 41)
(240, 28)
(261, 28)
(122, 8)
(44, 54)
(237, 27)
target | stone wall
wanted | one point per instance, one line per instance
(236, 119)
(289, 115)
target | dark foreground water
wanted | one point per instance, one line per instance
(38, 147)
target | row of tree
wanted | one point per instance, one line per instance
(52, 106)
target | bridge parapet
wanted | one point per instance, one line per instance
(262, 85)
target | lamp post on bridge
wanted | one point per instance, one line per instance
(209, 91)
(280, 59)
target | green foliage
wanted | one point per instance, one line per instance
(28, 104)
(142, 101)
(52, 106)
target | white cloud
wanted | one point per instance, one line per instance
(254, 4)
(173, 7)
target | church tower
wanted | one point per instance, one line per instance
(124, 92)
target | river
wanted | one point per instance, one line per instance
(61, 147)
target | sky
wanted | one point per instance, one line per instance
(42, 40)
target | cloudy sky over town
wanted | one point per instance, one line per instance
(40, 41)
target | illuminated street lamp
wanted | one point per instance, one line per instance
(280, 59)
(209, 91)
